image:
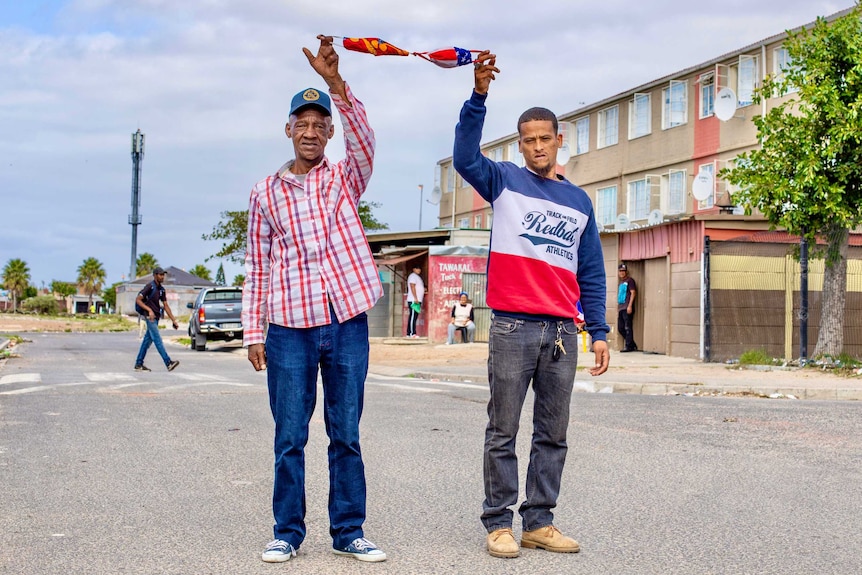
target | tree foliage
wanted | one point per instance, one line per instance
(232, 231)
(41, 304)
(91, 276)
(238, 280)
(220, 275)
(109, 294)
(145, 264)
(16, 278)
(202, 272)
(807, 175)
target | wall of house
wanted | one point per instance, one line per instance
(685, 309)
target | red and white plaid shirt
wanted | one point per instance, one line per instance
(306, 245)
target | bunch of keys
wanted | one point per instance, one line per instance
(558, 344)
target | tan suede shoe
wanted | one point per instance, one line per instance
(501, 543)
(550, 539)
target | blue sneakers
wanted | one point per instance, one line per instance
(278, 551)
(362, 549)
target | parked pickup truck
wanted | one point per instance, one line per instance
(216, 316)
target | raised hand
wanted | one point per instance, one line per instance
(325, 63)
(484, 70)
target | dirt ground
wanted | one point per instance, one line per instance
(396, 352)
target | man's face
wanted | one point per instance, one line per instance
(538, 142)
(160, 278)
(310, 131)
(622, 274)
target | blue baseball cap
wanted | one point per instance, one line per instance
(311, 97)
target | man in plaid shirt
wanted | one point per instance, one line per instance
(310, 278)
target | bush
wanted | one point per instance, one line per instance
(41, 304)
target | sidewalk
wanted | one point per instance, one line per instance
(636, 372)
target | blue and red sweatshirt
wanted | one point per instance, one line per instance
(545, 252)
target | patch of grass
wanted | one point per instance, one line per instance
(843, 364)
(756, 357)
(15, 339)
(184, 340)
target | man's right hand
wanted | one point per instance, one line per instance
(484, 67)
(257, 356)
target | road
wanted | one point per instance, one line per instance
(106, 470)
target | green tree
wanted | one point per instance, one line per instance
(202, 272)
(233, 229)
(91, 276)
(807, 175)
(145, 264)
(220, 275)
(109, 294)
(64, 290)
(16, 278)
(238, 280)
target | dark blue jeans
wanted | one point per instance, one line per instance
(293, 357)
(151, 336)
(520, 352)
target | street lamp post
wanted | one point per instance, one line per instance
(421, 188)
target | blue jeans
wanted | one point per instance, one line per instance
(293, 357)
(519, 352)
(152, 336)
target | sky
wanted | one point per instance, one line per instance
(209, 83)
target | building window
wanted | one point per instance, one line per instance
(606, 205)
(710, 200)
(496, 154)
(707, 95)
(746, 80)
(609, 127)
(489, 219)
(781, 62)
(675, 202)
(638, 200)
(582, 129)
(674, 104)
(639, 116)
(464, 223)
(450, 178)
(514, 155)
(477, 221)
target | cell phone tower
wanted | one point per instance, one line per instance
(135, 217)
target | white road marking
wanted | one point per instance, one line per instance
(21, 378)
(99, 377)
(406, 387)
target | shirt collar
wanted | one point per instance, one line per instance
(285, 174)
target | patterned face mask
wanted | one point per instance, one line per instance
(443, 57)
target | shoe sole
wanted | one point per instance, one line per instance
(532, 545)
(361, 557)
(276, 558)
(501, 555)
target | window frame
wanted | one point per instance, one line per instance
(709, 202)
(634, 119)
(707, 87)
(603, 133)
(674, 112)
(637, 206)
(606, 210)
(582, 135)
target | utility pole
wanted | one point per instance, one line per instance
(421, 188)
(135, 217)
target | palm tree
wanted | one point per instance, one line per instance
(145, 264)
(202, 272)
(91, 276)
(16, 277)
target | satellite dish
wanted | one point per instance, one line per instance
(564, 154)
(655, 218)
(436, 194)
(623, 222)
(600, 226)
(702, 186)
(725, 104)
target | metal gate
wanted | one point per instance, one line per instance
(476, 287)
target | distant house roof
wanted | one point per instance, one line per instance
(176, 277)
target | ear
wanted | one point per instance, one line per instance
(331, 130)
(559, 140)
(287, 130)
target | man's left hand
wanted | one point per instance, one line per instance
(176, 325)
(603, 357)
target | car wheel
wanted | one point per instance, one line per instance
(200, 342)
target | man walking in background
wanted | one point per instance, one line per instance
(149, 305)
(415, 295)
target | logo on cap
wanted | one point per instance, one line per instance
(311, 95)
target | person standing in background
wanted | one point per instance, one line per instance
(415, 295)
(626, 306)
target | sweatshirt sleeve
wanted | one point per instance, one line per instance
(591, 280)
(483, 174)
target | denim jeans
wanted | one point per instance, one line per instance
(519, 352)
(152, 336)
(293, 357)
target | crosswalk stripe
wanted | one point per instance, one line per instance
(21, 378)
(97, 377)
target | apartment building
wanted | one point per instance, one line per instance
(650, 159)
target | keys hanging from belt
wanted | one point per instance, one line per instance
(558, 343)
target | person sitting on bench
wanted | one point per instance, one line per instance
(462, 320)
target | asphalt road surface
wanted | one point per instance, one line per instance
(106, 470)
